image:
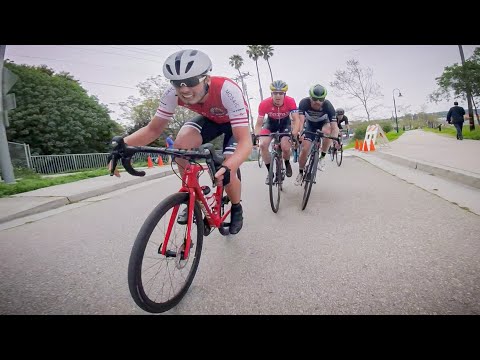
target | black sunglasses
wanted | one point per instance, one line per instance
(190, 82)
(317, 99)
(278, 93)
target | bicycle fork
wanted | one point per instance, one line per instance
(188, 239)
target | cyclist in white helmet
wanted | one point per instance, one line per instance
(221, 109)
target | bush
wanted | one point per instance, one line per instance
(387, 127)
(360, 131)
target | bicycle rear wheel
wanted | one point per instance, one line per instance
(156, 282)
(274, 186)
(339, 155)
(309, 177)
(332, 152)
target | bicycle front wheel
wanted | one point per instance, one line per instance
(274, 185)
(339, 155)
(158, 282)
(309, 178)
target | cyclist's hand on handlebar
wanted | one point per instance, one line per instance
(116, 172)
(118, 146)
(222, 176)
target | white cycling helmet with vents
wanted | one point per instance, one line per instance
(187, 63)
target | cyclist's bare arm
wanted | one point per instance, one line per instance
(300, 123)
(295, 123)
(147, 134)
(243, 149)
(259, 124)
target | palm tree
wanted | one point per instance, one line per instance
(267, 53)
(254, 53)
(236, 61)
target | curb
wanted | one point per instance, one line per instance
(457, 175)
(57, 202)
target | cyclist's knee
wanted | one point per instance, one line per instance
(188, 140)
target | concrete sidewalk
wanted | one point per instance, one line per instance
(442, 156)
(48, 198)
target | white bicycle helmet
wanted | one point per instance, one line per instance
(185, 64)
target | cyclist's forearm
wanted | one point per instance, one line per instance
(242, 152)
(258, 125)
(147, 134)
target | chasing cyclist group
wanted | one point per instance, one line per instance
(222, 109)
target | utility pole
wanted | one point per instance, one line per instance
(469, 95)
(244, 88)
(7, 102)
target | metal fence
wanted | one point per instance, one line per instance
(20, 154)
(53, 164)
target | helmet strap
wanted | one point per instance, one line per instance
(205, 88)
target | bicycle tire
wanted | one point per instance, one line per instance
(272, 187)
(260, 159)
(309, 180)
(332, 152)
(339, 155)
(135, 280)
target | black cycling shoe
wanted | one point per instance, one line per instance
(288, 168)
(183, 217)
(236, 220)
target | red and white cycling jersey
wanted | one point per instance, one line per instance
(277, 112)
(225, 103)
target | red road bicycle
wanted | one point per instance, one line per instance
(165, 254)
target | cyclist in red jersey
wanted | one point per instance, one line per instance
(222, 110)
(278, 108)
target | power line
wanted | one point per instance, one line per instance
(77, 62)
(91, 82)
(142, 51)
(120, 86)
(107, 52)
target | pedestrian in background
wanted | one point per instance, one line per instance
(455, 116)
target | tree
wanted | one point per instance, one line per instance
(254, 52)
(458, 79)
(55, 115)
(139, 111)
(358, 83)
(237, 61)
(267, 53)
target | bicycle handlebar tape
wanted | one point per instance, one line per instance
(226, 175)
(126, 162)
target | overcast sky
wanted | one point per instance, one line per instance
(111, 72)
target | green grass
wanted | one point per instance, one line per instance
(28, 181)
(449, 130)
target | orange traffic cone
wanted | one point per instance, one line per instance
(149, 162)
(365, 147)
(372, 146)
(160, 161)
(356, 144)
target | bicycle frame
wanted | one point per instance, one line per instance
(210, 210)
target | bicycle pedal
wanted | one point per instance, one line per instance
(207, 229)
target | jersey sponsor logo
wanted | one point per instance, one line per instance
(217, 111)
(232, 98)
